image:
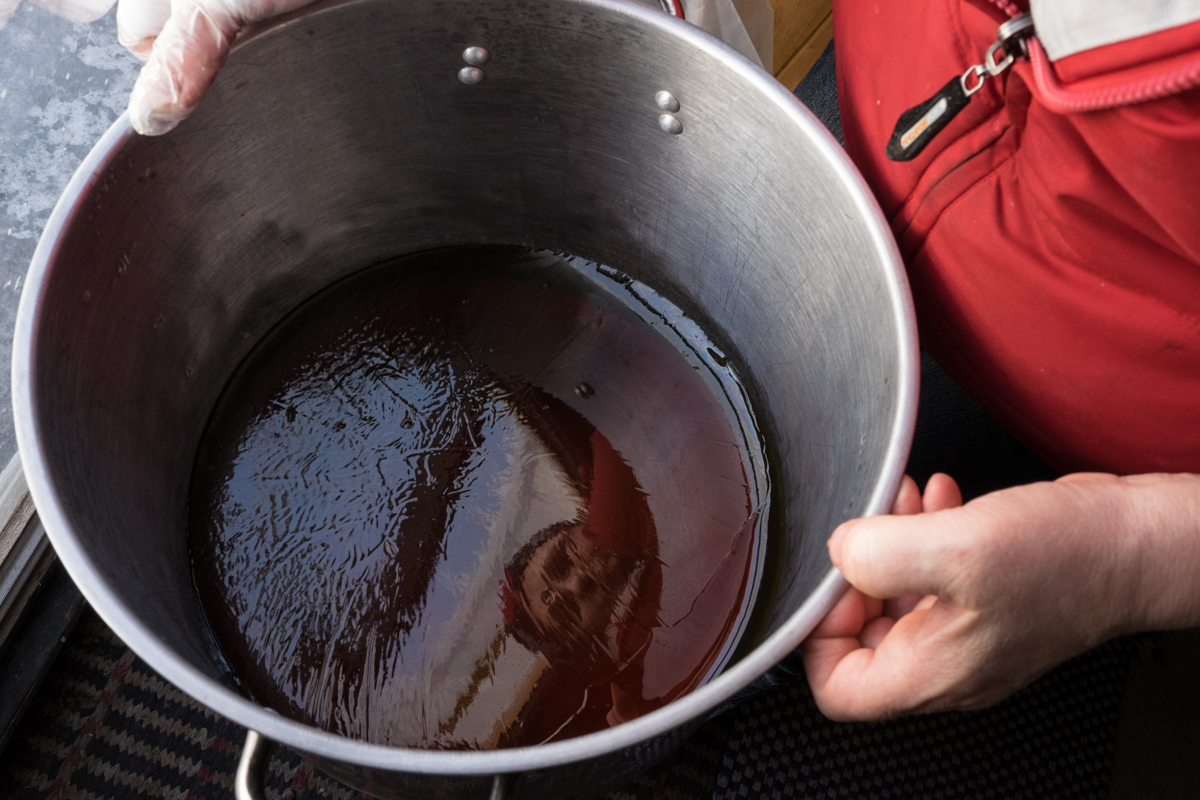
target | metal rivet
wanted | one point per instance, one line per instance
(476, 56)
(470, 75)
(670, 124)
(666, 101)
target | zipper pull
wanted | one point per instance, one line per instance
(917, 126)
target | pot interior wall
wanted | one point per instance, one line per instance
(344, 139)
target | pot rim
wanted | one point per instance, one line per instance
(204, 689)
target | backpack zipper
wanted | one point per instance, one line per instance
(921, 123)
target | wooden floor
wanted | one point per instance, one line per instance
(803, 28)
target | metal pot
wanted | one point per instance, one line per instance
(354, 132)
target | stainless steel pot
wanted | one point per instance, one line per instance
(358, 131)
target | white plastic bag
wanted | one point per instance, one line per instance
(747, 26)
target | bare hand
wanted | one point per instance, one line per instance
(958, 606)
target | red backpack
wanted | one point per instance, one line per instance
(1051, 229)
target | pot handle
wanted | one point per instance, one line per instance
(256, 757)
(252, 767)
(505, 787)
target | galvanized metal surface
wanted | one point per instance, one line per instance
(343, 137)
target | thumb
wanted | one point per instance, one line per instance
(139, 23)
(185, 59)
(890, 556)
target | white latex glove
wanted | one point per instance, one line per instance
(184, 43)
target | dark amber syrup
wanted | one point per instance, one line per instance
(479, 497)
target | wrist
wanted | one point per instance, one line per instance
(1160, 524)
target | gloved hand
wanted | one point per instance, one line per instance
(184, 44)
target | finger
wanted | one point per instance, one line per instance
(890, 556)
(897, 607)
(186, 56)
(875, 631)
(908, 498)
(941, 492)
(872, 609)
(840, 676)
(822, 658)
(139, 23)
(846, 619)
(896, 676)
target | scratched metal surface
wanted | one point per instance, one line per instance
(343, 138)
(62, 85)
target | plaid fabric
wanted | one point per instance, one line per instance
(104, 725)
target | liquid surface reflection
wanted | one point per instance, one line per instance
(480, 497)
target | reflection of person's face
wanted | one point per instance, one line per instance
(571, 586)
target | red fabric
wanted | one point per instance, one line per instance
(1054, 258)
(618, 517)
